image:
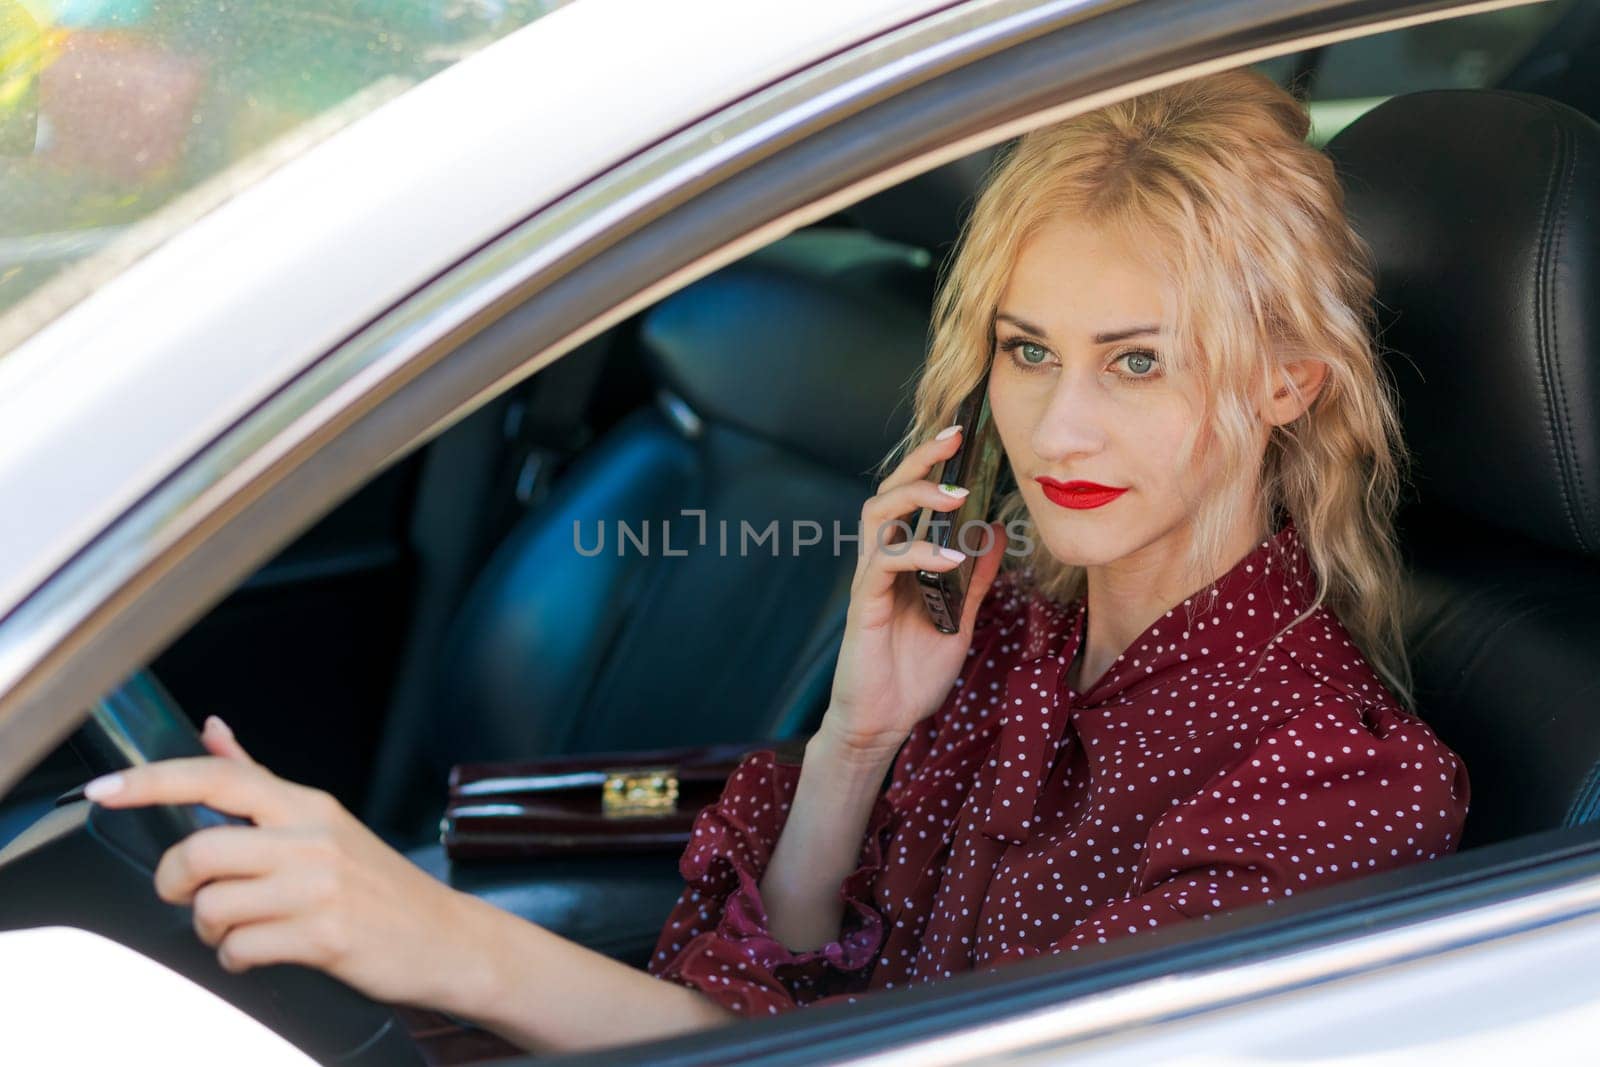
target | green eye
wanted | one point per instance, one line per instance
(1032, 353)
(1140, 362)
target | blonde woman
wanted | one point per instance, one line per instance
(1190, 696)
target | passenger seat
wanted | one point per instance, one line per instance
(784, 379)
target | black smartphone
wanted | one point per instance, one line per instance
(975, 467)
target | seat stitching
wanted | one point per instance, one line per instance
(1577, 479)
(1545, 329)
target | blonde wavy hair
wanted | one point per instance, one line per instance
(1217, 174)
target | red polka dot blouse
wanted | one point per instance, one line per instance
(1218, 762)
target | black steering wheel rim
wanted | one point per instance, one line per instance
(140, 722)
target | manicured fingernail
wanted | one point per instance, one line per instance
(946, 432)
(954, 555)
(104, 786)
(214, 723)
(951, 490)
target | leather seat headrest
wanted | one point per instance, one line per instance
(813, 343)
(1481, 208)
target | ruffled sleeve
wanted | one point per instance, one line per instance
(1339, 790)
(717, 938)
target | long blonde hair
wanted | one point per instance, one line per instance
(1254, 241)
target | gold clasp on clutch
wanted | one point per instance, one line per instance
(639, 791)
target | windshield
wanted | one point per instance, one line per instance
(123, 120)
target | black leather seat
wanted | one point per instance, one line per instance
(784, 379)
(1481, 209)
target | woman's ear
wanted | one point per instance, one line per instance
(1283, 405)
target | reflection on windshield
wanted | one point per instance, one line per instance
(113, 110)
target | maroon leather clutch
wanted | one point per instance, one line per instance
(599, 803)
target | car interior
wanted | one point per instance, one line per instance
(455, 608)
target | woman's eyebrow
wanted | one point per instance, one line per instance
(1099, 338)
(1132, 331)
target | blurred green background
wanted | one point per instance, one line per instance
(109, 109)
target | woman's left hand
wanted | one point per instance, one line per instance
(307, 884)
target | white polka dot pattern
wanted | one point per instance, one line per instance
(1221, 760)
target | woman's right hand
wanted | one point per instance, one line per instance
(895, 667)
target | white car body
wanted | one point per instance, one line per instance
(49, 973)
(123, 390)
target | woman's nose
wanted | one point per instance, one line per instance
(1072, 421)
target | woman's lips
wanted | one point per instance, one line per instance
(1079, 494)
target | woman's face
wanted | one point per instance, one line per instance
(1080, 391)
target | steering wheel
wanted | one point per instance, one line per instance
(139, 722)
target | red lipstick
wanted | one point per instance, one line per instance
(1078, 494)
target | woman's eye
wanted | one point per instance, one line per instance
(1029, 353)
(1140, 364)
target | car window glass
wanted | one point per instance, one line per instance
(1342, 81)
(113, 110)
